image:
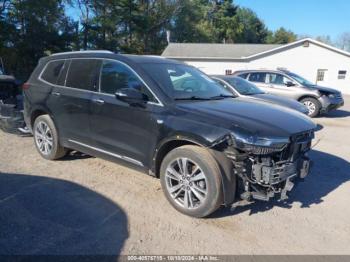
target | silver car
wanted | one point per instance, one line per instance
(242, 88)
(285, 83)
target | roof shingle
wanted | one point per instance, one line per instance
(227, 51)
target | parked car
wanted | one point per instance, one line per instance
(242, 88)
(199, 140)
(11, 104)
(285, 83)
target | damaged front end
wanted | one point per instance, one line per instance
(11, 107)
(269, 167)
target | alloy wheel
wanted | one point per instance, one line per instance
(186, 183)
(310, 106)
(43, 138)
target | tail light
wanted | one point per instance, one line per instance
(25, 86)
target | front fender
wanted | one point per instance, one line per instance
(225, 164)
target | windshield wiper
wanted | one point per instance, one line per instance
(222, 96)
(192, 98)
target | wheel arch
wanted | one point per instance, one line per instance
(38, 111)
(165, 147)
(307, 96)
(35, 114)
(229, 183)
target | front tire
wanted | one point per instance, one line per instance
(191, 181)
(312, 105)
(46, 138)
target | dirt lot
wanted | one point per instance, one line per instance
(84, 205)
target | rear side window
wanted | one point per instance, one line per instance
(83, 74)
(52, 71)
(257, 77)
(244, 75)
(62, 77)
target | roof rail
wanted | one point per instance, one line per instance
(84, 52)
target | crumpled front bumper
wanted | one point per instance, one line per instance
(329, 104)
(277, 180)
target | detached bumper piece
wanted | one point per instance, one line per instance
(266, 176)
(11, 119)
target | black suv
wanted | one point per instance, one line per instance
(171, 121)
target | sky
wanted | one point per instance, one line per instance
(303, 17)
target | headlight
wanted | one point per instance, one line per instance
(331, 96)
(259, 146)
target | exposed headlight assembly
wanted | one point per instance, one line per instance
(259, 146)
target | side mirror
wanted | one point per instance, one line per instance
(131, 96)
(290, 83)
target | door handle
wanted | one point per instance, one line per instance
(98, 101)
(55, 93)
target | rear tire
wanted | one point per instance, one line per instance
(312, 105)
(191, 181)
(46, 138)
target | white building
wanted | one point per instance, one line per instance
(320, 63)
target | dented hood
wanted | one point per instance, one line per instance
(256, 118)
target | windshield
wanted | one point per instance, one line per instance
(182, 82)
(243, 86)
(300, 79)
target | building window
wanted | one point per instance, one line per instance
(228, 72)
(341, 74)
(320, 74)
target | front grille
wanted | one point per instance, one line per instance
(300, 143)
(338, 96)
(302, 137)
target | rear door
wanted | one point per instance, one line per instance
(71, 97)
(120, 129)
(259, 79)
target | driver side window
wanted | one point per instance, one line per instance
(115, 76)
(278, 79)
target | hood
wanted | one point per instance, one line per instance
(256, 118)
(325, 89)
(281, 101)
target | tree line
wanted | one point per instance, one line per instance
(30, 29)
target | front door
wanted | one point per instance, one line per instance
(122, 129)
(259, 79)
(280, 85)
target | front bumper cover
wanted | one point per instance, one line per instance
(329, 104)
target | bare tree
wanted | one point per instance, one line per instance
(344, 41)
(326, 39)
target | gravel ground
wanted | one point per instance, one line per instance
(85, 205)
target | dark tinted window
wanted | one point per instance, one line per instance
(63, 74)
(244, 75)
(52, 71)
(83, 74)
(115, 76)
(257, 77)
(277, 79)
